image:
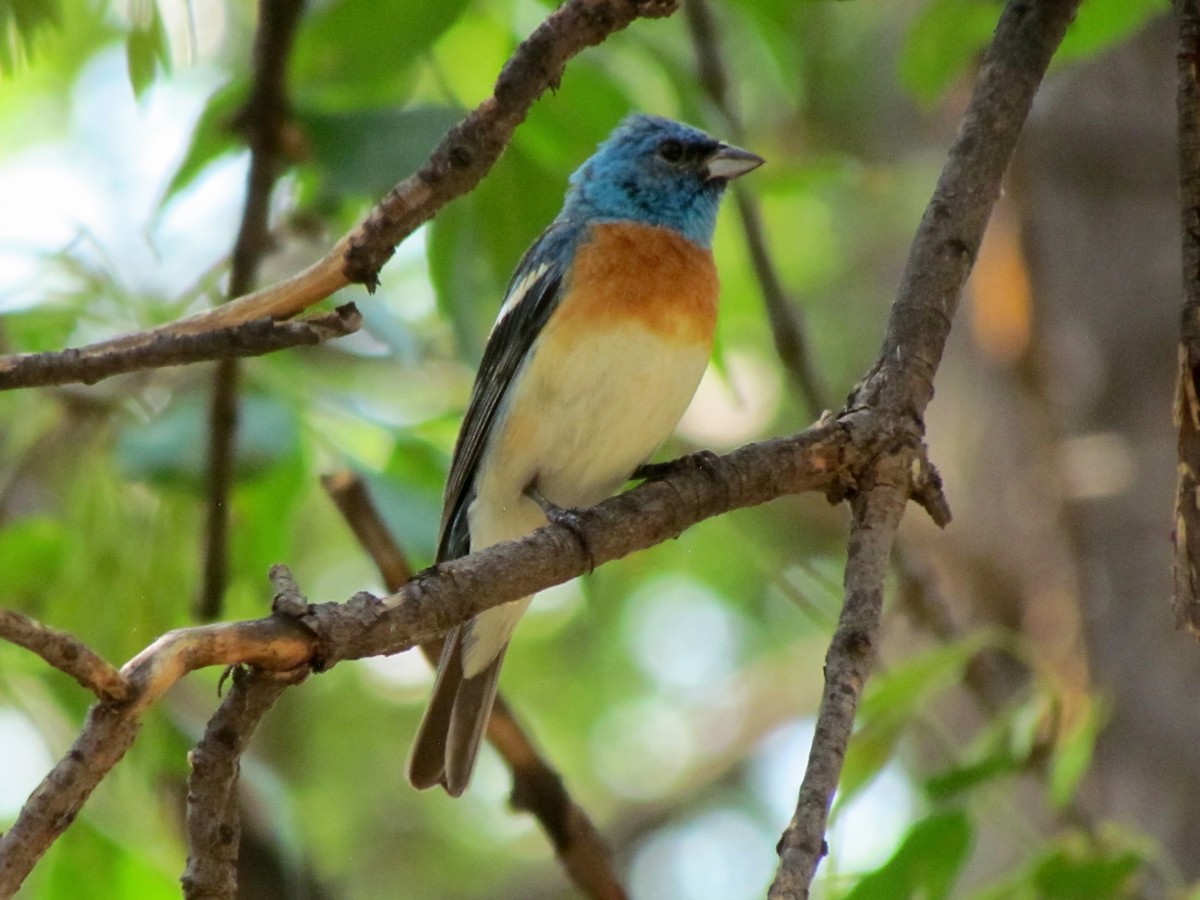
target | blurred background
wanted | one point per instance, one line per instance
(1031, 730)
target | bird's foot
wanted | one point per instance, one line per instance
(570, 519)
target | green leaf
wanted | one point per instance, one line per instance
(925, 865)
(1101, 23)
(1071, 875)
(363, 153)
(113, 869)
(1073, 754)
(146, 47)
(408, 495)
(943, 40)
(352, 54)
(29, 548)
(21, 22)
(212, 137)
(893, 698)
(1004, 747)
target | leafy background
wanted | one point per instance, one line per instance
(676, 689)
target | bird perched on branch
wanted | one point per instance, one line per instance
(604, 333)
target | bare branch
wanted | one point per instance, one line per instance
(87, 365)
(458, 163)
(952, 227)
(877, 514)
(65, 653)
(213, 821)
(263, 119)
(1187, 402)
(900, 385)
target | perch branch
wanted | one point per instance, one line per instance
(820, 458)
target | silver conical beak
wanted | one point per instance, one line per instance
(728, 162)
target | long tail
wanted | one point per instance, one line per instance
(450, 734)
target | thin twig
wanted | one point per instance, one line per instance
(87, 365)
(218, 490)
(458, 163)
(899, 387)
(877, 514)
(263, 119)
(783, 315)
(65, 653)
(1186, 596)
(537, 787)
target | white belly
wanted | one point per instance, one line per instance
(582, 426)
(577, 428)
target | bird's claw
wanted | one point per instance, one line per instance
(570, 519)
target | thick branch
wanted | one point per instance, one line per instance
(1187, 392)
(87, 365)
(900, 386)
(458, 163)
(213, 821)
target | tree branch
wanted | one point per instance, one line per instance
(852, 652)
(458, 163)
(263, 119)
(899, 387)
(65, 653)
(537, 788)
(1186, 598)
(213, 819)
(87, 365)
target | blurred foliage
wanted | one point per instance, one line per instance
(662, 686)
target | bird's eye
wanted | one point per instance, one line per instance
(671, 150)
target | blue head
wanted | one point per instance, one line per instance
(657, 172)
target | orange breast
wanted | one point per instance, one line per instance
(641, 274)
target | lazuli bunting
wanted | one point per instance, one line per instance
(604, 333)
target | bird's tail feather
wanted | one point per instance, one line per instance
(448, 740)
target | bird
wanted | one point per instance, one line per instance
(605, 330)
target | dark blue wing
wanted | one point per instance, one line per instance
(511, 338)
